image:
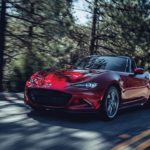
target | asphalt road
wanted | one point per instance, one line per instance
(24, 129)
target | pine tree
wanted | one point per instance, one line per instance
(2, 40)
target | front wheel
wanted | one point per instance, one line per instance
(110, 103)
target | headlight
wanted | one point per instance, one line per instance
(88, 85)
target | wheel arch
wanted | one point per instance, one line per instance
(102, 108)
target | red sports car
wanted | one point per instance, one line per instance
(102, 84)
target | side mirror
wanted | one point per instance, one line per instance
(138, 70)
(68, 66)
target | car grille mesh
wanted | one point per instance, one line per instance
(48, 97)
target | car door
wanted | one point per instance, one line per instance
(135, 85)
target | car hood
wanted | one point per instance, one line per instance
(62, 78)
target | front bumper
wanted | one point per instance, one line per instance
(49, 99)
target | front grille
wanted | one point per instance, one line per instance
(48, 97)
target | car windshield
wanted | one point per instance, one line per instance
(102, 62)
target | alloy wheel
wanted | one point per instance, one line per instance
(112, 102)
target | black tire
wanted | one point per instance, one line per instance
(110, 104)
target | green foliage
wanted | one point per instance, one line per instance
(42, 33)
(37, 37)
(122, 27)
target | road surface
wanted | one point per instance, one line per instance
(24, 129)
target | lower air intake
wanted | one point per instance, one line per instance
(48, 97)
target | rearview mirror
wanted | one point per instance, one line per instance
(138, 70)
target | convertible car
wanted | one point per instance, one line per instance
(101, 84)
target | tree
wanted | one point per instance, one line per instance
(122, 27)
(35, 35)
(93, 29)
(127, 25)
(2, 40)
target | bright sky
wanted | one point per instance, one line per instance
(79, 13)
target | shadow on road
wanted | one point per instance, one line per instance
(22, 127)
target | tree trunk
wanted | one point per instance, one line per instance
(2, 40)
(93, 32)
(29, 56)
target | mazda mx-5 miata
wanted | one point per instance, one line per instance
(102, 84)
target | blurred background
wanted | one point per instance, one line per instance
(39, 34)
